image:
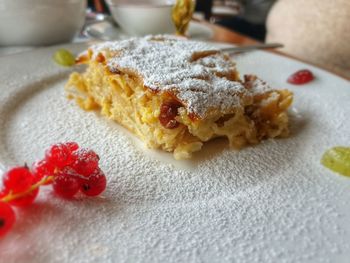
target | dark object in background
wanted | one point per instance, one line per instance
(98, 6)
(204, 6)
(256, 31)
(251, 20)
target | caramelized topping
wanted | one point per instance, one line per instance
(100, 58)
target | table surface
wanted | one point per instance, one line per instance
(222, 34)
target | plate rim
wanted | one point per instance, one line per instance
(80, 45)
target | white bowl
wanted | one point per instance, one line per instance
(40, 22)
(142, 17)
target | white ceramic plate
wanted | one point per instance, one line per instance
(106, 30)
(273, 202)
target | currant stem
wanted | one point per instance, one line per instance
(11, 196)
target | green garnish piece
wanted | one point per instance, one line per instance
(337, 159)
(64, 57)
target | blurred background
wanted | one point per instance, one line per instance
(311, 30)
(246, 17)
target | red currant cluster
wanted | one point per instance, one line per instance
(68, 168)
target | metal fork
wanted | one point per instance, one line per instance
(251, 47)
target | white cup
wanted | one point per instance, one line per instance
(40, 22)
(142, 17)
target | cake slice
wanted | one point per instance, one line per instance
(176, 94)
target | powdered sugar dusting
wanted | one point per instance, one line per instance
(269, 203)
(258, 86)
(168, 63)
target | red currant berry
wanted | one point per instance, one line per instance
(72, 146)
(7, 218)
(301, 77)
(61, 154)
(168, 112)
(18, 179)
(86, 162)
(42, 169)
(2, 193)
(65, 184)
(94, 184)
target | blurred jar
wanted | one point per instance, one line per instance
(40, 22)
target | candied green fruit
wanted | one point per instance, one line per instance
(337, 159)
(64, 57)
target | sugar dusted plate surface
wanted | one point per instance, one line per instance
(273, 202)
